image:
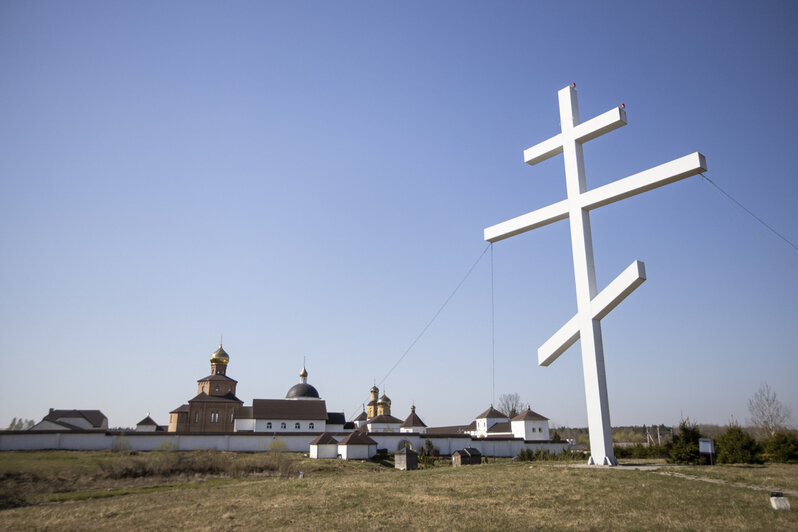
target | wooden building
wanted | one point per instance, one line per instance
(466, 456)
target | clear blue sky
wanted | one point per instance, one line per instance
(311, 179)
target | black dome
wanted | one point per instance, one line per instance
(302, 391)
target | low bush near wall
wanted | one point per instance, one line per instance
(545, 454)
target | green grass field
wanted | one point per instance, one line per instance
(93, 491)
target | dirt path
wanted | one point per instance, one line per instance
(726, 482)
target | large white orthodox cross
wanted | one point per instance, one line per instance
(591, 306)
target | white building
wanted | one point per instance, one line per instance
(491, 422)
(302, 410)
(325, 446)
(383, 423)
(361, 419)
(72, 420)
(282, 415)
(530, 426)
(357, 446)
(413, 423)
(147, 425)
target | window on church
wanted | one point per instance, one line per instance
(232, 416)
(217, 387)
(196, 416)
(296, 426)
(310, 426)
(282, 425)
(269, 425)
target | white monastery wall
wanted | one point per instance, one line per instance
(248, 442)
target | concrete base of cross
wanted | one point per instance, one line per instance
(607, 461)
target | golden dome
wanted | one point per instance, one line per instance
(220, 356)
(303, 373)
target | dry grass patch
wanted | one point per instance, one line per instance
(363, 496)
(35, 477)
(778, 477)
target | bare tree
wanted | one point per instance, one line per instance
(20, 424)
(767, 412)
(510, 404)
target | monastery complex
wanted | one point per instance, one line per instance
(216, 418)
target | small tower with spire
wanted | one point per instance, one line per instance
(384, 406)
(372, 404)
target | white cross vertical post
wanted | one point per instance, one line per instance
(591, 306)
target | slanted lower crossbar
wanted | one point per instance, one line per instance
(600, 306)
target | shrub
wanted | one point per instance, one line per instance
(641, 451)
(120, 444)
(277, 446)
(427, 454)
(166, 446)
(382, 454)
(683, 447)
(782, 447)
(544, 454)
(735, 446)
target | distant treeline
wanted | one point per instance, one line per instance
(630, 435)
(733, 444)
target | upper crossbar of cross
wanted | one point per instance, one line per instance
(686, 166)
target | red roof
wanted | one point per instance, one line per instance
(304, 409)
(528, 415)
(413, 421)
(491, 413)
(384, 419)
(94, 417)
(325, 438)
(205, 398)
(501, 426)
(356, 438)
